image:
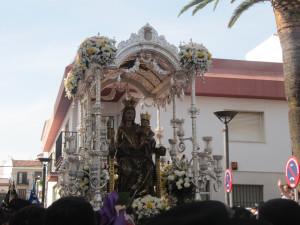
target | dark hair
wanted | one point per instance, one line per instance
(4, 216)
(200, 212)
(70, 210)
(279, 211)
(29, 215)
(17, 204)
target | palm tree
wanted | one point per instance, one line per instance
(287, 14)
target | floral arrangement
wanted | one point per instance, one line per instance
(149, 206)
(195, 57)
(73, 77)
(176, 180)
(99, 50)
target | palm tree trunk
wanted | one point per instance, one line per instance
(287, 15)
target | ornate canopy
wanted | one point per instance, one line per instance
(145, 63)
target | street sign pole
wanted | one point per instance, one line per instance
(292, 174)
(228, 187)
(296, 194)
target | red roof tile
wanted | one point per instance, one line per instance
(27, 163)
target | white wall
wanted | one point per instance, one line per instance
(50, 193)
(256, 161)
(268, 51)
(277, 146)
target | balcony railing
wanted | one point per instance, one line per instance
(61, 144)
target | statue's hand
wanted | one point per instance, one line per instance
(161, 151)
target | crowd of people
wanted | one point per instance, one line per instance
(287, 192)
(73, 210)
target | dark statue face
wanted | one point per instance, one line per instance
(129, 115)
(145, 123)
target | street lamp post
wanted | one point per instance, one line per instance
(37, 186)
(45, 161)
(226, 117)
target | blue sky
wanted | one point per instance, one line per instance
(39, 38)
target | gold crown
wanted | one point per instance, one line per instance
(145, 116)
(130, 102)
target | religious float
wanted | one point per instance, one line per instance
(99, 160)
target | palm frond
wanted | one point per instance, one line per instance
(216, 3)
(191, 4)
(201, 5)
(240, 9)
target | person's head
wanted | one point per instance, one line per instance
(254, 209)
(286, 187)
(5, 217)
(279, 211)
(17, 204)
(70, 210)
(29, 215)
(200, 212)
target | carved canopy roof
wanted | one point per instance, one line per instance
(146, 63)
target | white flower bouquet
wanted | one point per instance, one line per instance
(99, 50)
(176, 180)
(195, 57)
(149, 206)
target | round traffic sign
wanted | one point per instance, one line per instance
(228, 180)
(292, 172)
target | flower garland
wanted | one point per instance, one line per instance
(195, 57)
(99, 50)
(73, 77)
(176, 180)
(149, 206)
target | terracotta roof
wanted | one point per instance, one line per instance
(27, 163)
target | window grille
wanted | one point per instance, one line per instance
(22, 193)
(247, 195)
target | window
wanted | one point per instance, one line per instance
(247, 126)
(247, 195)
(38, 174)
(58, 147)
(22, 193)
(22, 178)
(111, 121)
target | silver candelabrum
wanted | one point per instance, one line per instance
(84, 173)
(203, 166)
(84, 170)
